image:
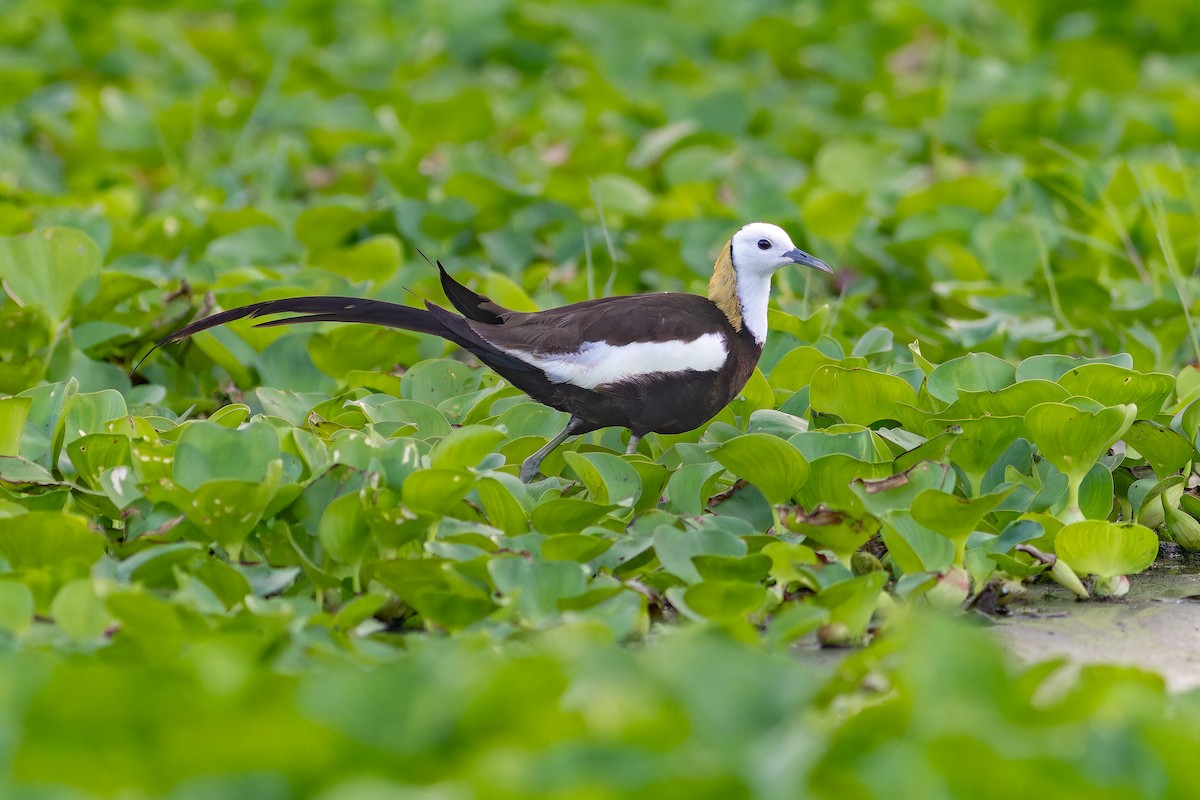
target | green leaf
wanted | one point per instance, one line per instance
(855, 441)
(796, 369)
(428, 421)
(19, 472)
(757, 394)
(975, 372)
(535, 588)
(79, 611)
(690, 486)
(327, 226)
(913, 547)
(652, 478)
(859, 396)
(577, 547)
(451, 610)
(794, 622)
(16, 606)
(832, 530)
(206, 451)
(465, 447)
(499, 497)
(954, 517)
(1112, 385)
(618, 193)
(935, 449)
(676, 548)
(722, 600)
(850, 605)
(1105, 549)
(503, 290)
(609, 479)
(1166, 451)
(375, 259)
(1011, 401)
(981, 442)
(830, 480)
(752, 568)
(343, 531)
(435, 491)
(231, 416)
(435, 381)
(566, 515)
(151, 624)
(358, 610)
(1051, 367)
(47, 549)
(90, 412)
(96, 453)
(227, 509)
(899, 492)
(47, 267)
(1073, 440)
(788, 562)
(1008, 250)
(774, 466)
(875, 340)
(13, 413)
(231, 586)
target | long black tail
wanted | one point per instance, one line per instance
(319, 309)
(432, 319)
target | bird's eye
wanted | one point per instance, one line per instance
(764, 244)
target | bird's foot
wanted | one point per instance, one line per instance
(529, 470)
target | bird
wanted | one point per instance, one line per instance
(664, 362)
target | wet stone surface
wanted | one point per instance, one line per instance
(1156, 627)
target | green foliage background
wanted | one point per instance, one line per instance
(191, 608)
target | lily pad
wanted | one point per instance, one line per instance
(954, 517)
(436, 491)
(46, 549)
(767, 462)
(899, 492)
(973, 372)
(1073, 440)
(850, 605)
(465, 447)
(207, 451)
(1106, 549)
(859, 396)
(609, 479)
(13, 412)
(1165, 450)
(47, 267)
(832, 530)
(1112, 385)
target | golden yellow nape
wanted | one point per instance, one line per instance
(722, 288)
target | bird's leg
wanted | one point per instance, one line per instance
(633, 443)
(529, 467)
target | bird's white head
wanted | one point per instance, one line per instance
(760, 248)
(741, 281)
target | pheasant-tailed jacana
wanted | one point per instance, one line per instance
(664, 362)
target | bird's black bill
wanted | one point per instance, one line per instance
(804, 259)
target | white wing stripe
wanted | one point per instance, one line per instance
(599, 363)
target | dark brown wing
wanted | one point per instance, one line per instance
(468, 303)
(614, 320)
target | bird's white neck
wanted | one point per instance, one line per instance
(742, 298)
(754, 292)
